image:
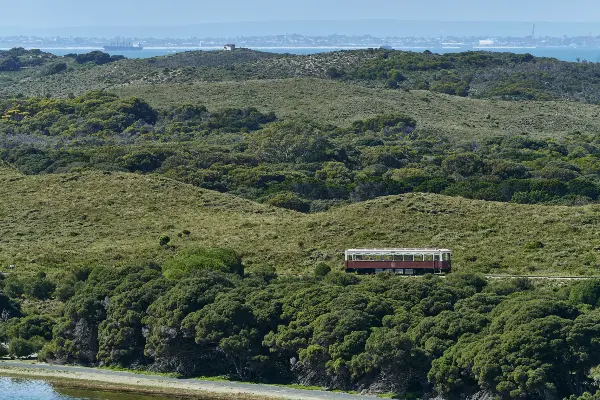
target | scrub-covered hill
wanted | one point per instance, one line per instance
(52, 221)
(420, 143)
(340, 103)
(473, 74)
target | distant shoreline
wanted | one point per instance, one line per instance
(343, 47)
(206, 47)
(562, 53)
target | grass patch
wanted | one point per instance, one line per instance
(339, 103)
(118, 218)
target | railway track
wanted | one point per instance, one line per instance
(553, 278)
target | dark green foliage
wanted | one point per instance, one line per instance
(289, 200)
(321, 270)
(381, 333)
(64, 291)
(21, 348)
(492, 75)
(164, 240)
(10, 64)
(389, 124)
(14, 287)
(97, 57)
(39, 287)
(192, 261)
(15, 59)
(334, 73)
(291, 164)
(55, 68)
(9, 308)
(587, 292)
(30, 327)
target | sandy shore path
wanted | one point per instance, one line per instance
(164, 383)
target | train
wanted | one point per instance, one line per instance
(409, 261)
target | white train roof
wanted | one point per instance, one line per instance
(397, 251)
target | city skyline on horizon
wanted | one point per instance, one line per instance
(374, 27)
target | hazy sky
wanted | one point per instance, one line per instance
(72, 13)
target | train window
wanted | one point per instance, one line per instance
(428, 257)
(378, 258)
(358, 257)
(446, 256)
(388, 257)
(409, 271)
(418, 257)
(378, 270)
(408, 257)
(399, 271)
(436, 257)
(398, 257)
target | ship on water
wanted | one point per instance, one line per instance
(118, 46)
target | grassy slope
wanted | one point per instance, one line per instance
(58, 220)
(340, 103)
(186, 67)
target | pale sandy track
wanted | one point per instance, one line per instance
(160, 382)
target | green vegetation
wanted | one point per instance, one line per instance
(15, 59)
(383, 334)
(474, 74)
(58, 222)
(340, 103)
(292, 164)
(188, 214)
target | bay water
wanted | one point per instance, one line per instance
(37, 389)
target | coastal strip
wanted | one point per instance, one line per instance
(153, 384)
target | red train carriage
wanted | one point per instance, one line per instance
(399, 261)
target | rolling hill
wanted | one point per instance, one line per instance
(340, 103)
(469, 74)
(54, 221)
(50, 221)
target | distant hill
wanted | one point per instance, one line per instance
(54, 221)
(471, 74)
(341, 103)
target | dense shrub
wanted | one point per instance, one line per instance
(55, 68)
(39, 287)
(97, 57)
(291, 164)
(192, 261)
(22, 348)
(289, 200)
(383, 333)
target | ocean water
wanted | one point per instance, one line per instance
(561, 53)
(37, 389)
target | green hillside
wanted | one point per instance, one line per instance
(469, 74)
(340, 103)
(427, 143)
(191, 218)
(90, 219)
(287, 131)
